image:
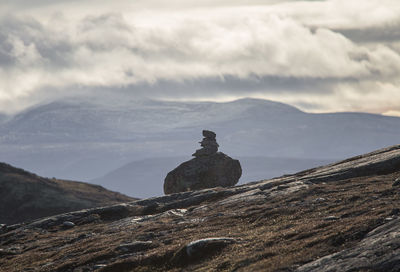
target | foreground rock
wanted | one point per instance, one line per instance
(378, 251)
(396, 182)
(339, 217)
(209, 169)
(25, 196)
(202, 248)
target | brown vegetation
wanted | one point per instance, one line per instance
(278, 225)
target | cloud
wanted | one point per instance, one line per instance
(369, 96)
(382, 34)
(319, 55)
(392, 113)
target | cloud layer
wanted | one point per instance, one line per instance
(319, 55)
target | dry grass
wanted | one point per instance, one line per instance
(275, 234)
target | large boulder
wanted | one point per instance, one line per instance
(208, 169)
(203, 172)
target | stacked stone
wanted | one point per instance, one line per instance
(209, 145)
(208, 169)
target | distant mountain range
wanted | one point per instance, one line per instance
(25, 196)
(145, 177)
(87, 138)
(3, 118)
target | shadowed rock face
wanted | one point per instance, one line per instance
(340, 217)
(25, 196)
(209, 169)
(203, 172)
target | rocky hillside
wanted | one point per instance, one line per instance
(25, 196)
(340, 217)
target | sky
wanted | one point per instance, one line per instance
(321, 56)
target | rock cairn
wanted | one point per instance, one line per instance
(208, 169)
(209, 144)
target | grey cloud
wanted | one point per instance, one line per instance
(35, 3)
(112, 20)
(54, 47)
(150, 3)
(229, 87)
(11, 28)
(181, 46)
(207, 87)
(380, 34)
(231, 55)
(6, 57)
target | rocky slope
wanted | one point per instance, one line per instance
(25, 196)
(340, 217)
